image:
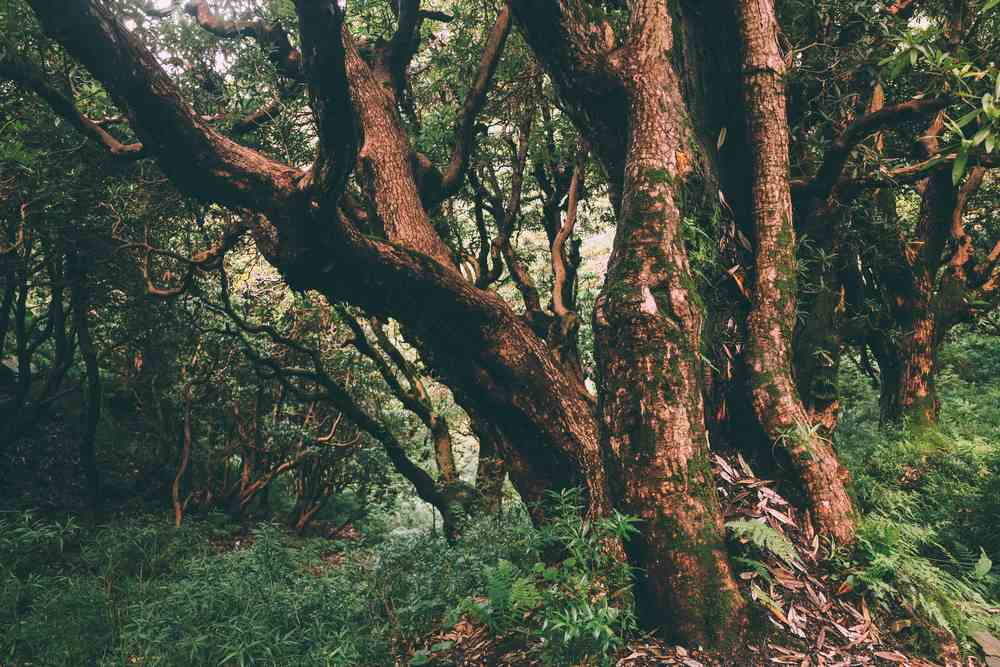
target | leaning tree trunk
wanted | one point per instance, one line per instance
(771, 322)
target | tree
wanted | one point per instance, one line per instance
(687, 132)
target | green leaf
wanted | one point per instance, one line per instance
(980, 136)
(965, 120)
(420, 658)
(990, 4)
(958, 170)
(984, 564)
(442, 646)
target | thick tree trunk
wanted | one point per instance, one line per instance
(772, 318)
(647, 324)
(647, 321)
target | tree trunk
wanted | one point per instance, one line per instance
(92, 414)
(647, 324)
(772, 318)
(919, 307)
(908, 393)
(491, 471)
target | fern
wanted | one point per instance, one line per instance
(765, 538)
(509, 594)
(903, 561)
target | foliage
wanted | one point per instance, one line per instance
(764, 538)
(574, 605)
(929, 534)
(143, 590)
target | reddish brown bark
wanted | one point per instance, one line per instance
(772, 318)
(920, 311)
(930, 287)
(647, 319)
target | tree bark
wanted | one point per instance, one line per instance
(908, 393)
(647, 319)
(92, 413)
(772, 318)
(907, 355)
(492, 469)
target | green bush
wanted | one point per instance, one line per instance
(252, 606)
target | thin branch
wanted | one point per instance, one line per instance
(199, 160)
(204, 260)
(560, 264)
(334, 393)
(848, 189)
(150, 9)
(836, 157)
(465, 131)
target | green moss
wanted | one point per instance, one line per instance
(658, 177)
(715, 604)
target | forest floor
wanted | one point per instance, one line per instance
(813, 615)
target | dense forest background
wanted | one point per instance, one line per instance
(389, 332)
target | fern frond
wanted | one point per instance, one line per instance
(764, 538)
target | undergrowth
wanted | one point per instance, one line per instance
(139, 591)
(930, 498)
(142, 592)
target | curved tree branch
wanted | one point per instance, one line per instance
(338, 396)
(465, 131)
(828, 175)
(30, 76)
(198, 159)
(271, 37)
